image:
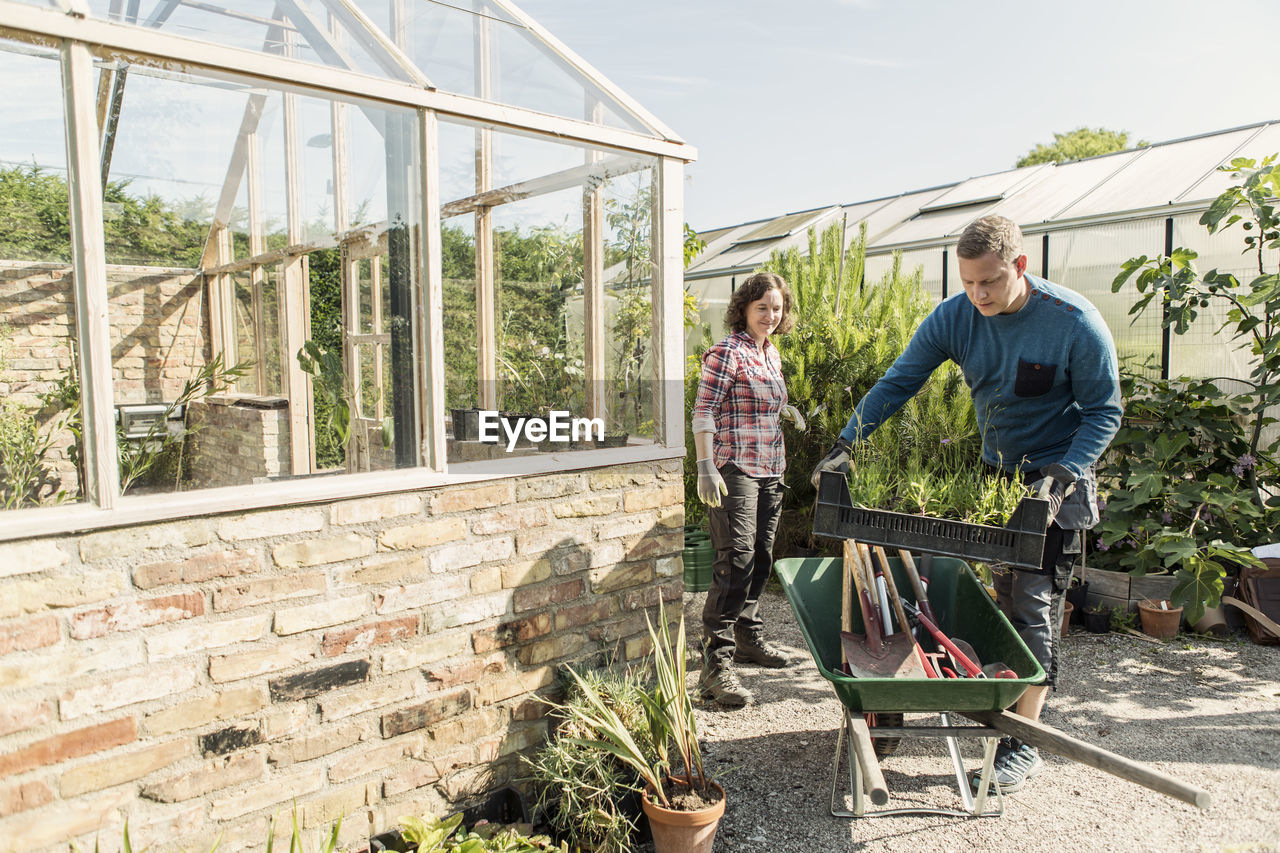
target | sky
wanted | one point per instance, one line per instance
(811, 103)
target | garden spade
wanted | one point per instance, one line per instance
(872, 655)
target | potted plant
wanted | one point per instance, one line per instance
(1172, 502)
(1194, 476)
(589, 800)
(1159, 619)
(684, 808)
(430, 834)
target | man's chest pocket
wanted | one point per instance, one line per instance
(1034, 379)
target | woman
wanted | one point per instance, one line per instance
(737, 432)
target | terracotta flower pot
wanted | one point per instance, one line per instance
(1157, 622)
(683, 832)
(1067, 607)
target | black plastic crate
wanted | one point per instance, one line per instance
(1019, 543)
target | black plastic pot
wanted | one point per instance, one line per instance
(466, 424)
(614, 439)
(1077, 594)
(1097, 621)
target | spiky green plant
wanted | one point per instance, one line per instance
(582, 796)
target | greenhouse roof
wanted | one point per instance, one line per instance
(428, 43)
(1166, 177)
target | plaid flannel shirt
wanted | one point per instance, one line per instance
(743, 390)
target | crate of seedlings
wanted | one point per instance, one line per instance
(1019, 543)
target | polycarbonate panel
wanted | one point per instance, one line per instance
(934, 226)
(1087, 260)
(1207, 349)
(929, 264)
(894, 211)
(1057, 188)
(1262, 142)
(304, 29)
(783, 226)
(1032, 247)
(1160, 175)
(983, 189)
(876, 268)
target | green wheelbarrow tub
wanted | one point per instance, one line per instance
(963, 608)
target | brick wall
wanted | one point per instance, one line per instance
(384, 654)
(157, 335)
(238, 442)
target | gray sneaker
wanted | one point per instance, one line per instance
(1015, 763)
(720, 684)
(752, 648)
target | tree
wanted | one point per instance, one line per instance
(1077, 145)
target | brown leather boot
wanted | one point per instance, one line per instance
(752, 648)
(720, 684)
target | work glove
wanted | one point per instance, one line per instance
(837, 458)
(1052, 486)
(710, 484)
(793, 413)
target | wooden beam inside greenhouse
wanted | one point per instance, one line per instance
(89, 257)
(593, 282)
(486, 263)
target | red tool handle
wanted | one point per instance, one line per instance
(969, 666)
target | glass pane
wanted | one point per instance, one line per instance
(540, 357)
(303, 29)
(548, 204)
(630, 370)
(39, 384)
(1088, 259)
(198, 417)
(444, 40)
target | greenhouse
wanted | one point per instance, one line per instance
(1082, 220)
(268, 270)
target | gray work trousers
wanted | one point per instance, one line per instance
(742, 531)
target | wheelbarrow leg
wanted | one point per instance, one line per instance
(974, 806)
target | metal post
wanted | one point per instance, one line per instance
(1165, 337)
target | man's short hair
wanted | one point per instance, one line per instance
(997, 234)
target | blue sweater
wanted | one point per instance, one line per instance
(1044, 380)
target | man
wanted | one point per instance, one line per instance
(1041, 367)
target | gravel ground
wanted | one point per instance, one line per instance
(1205, 711)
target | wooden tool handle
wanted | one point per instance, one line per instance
(893, 590)
(862, 579)
(917, 586)
(846, 593)
(865, 754)
(1060, 743)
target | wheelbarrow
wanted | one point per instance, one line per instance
(963, 608)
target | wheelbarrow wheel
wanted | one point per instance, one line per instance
(884, 746)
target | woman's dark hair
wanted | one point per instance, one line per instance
(755, 287)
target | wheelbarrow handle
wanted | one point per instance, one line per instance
(960, 657)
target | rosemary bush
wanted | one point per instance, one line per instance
(580, 790)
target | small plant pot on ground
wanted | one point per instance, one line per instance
(1078, 597)
(1097, 620)
(1159, 620)
(1067, 609)
(684, 831)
